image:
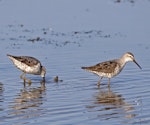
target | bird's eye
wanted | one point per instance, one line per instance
(131, 56)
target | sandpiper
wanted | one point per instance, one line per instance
(111, 68)
(28, 65)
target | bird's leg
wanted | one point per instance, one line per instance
(24, 78)
(98, 84)
(43, 81)
(29, 81)
(108, 82)
(21, 76)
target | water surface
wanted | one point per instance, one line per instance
(64, 41)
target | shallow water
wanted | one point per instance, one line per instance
(87, 36)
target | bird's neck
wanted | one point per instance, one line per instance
(122, 62)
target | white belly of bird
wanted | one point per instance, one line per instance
(28, 69)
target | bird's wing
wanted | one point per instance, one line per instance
(30, 61)
(106, 67)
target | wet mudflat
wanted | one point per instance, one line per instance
(64, 41)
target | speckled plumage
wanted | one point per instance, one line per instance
(28, 65)
(111, 68)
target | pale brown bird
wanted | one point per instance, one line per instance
(111, 68)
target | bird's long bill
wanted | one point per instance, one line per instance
(137, 64)
(43, 78)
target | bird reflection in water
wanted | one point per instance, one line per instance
(29, 101)
(108, 105)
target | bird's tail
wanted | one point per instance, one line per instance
(9, 55)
